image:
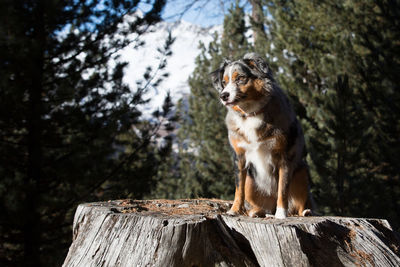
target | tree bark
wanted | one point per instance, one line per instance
(198, 233)
(257, 21)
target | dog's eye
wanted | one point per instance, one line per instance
(223, 83)
(242, 79)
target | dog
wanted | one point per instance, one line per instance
(266, 138)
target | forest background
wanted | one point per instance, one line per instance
(72, 131)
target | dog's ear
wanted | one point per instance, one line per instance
(258, 66)
(216, 76)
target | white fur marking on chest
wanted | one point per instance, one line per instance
(248, 127)
(258, 154)
(265, 170)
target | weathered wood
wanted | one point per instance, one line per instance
(198, 233)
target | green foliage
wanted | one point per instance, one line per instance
(71, 129)
(234, 41)
(164, 179)
(63, 112)
(206, 162)
(339, 65)
(205, 134)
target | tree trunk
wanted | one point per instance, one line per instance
(257, 24)
(198, 233)
(257, 18)
(32, 226)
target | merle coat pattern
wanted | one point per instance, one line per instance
(267, 139)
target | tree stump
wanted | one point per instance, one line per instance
(199, 233)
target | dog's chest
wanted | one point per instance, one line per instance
(248, 128)
(253, 132)
(258, 152)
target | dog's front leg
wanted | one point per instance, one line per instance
(238, 202)
(283, 192)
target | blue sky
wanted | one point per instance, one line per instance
(202, 12)
(205, 14)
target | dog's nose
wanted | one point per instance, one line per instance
(224, 96)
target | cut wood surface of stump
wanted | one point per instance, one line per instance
(197, 232)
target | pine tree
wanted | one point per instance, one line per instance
(234, 41)
(147, 145)
(206, 161)
(338, 63)
(165, 162)
(63, 105)
(258, 29)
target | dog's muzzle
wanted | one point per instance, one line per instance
(224, 96)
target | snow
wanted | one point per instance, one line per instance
(180, 64)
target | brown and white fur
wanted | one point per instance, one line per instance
(267, 139)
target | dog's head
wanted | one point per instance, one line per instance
(242, 81)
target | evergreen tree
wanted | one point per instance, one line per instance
(234, 41)
(213, 160)
(147, 144)
(206, 161)
(338, 63)
(257, 21)
(165, 162)
(62, 109)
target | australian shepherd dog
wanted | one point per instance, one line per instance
(267, 140)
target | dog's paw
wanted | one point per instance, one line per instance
(254, 213)
(234, 212)
(237, 209)
(307, 212)
(280, 213)
(269, 216)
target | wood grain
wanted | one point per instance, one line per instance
(198, 233)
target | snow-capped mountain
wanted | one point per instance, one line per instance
(180, 64)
